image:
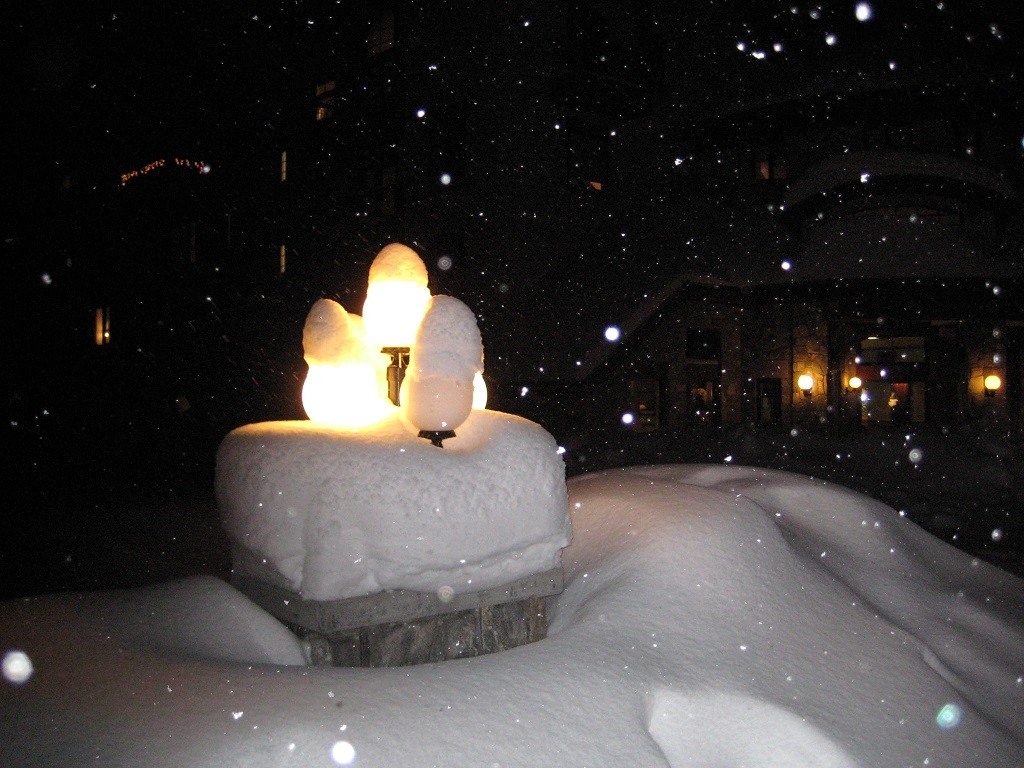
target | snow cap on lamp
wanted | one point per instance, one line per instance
(446, 358)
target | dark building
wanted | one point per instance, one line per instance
(748, 196)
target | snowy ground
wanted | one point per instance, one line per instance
(713, 615)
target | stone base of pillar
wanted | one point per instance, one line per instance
(399, 627)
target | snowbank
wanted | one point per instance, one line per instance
(712, 616)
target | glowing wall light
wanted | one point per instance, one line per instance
(806, 384)
(992, 383)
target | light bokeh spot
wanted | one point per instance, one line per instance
(17, 667)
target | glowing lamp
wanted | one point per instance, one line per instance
(341, 387)
(992, 383)
(855, 382)
(344, 395)
(806, 384)
(396, 300)
(396, 297)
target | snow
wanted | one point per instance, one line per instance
(334, 513)
(448, 342)
(332, 336)
(713, 615)
(446, 358)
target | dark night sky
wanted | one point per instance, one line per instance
(102, 84)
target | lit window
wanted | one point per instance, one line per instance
(102, 326)
(644, 402)
(325, 100)
(284, 166)
(767, 165)
(283, 259)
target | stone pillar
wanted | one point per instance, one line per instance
(400, 627)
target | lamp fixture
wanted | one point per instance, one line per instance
(806, 384)
(992, 383)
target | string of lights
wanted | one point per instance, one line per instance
(200, 166)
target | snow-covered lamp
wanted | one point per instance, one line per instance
(806, 384)
(992, 383)
(396, 299)
(444, 363)
(341, 387)
(302, 501)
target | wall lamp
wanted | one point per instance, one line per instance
(854, 383)
(992, 383)
(806, 384)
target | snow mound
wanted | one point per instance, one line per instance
(199, 617)
(739, 730)
(712, 616)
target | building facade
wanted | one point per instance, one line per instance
(788, 216)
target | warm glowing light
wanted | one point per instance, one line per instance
(350, 384)
(993, 382)
(396, 297)
(855, 382)
(805, 382)
(479, 392)
(343, 386)
(345, 395)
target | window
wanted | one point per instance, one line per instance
(893, 378)
(325, 100)
(644, 401)
(284, 166)
(282, 264)
(102, 326)
(382, 34)
(894, 350)
(768, 165)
